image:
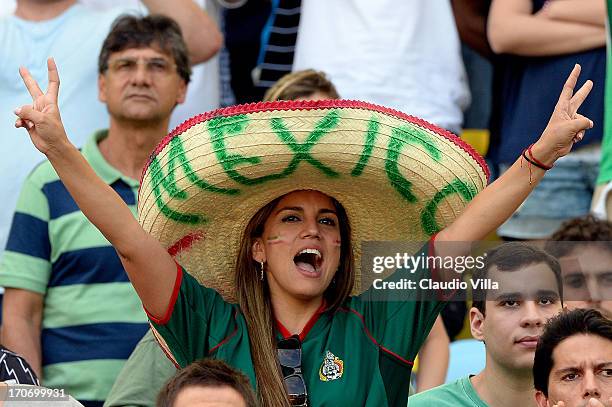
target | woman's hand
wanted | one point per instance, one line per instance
(566, 126)
(42, 118)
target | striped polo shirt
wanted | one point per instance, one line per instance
(92, 317)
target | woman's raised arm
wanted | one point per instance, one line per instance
(497, 202)
(150, 268)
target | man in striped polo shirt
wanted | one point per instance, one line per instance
(69, 308)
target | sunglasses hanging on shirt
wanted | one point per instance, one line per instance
(290, 359)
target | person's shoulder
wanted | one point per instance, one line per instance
(147, 340)
(448, 395)
(42, 174)
(148, 353)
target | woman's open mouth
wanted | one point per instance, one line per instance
(308, 261)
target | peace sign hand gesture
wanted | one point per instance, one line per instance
(42, 118)
(566, 126)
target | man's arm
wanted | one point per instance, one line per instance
(513, 29)
(21, 325)
(200, 31)
(577, 11)
(471, 20)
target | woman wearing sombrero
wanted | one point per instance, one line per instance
(267, 204)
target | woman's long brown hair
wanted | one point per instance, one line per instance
(254, 300)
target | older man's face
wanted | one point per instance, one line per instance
(141, 84)
(581, 371)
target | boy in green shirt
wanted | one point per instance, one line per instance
(509, 322)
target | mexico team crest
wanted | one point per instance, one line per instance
(331, 368)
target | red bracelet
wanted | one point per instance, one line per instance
(530, 161)
(535, 161)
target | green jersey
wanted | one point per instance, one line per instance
(459, 393)
(605, 167)
(360, 354)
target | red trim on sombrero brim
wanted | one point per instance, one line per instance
(313, 105)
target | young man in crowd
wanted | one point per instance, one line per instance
(69, 307)
(573, 361)
(207, 382)
(509, 320)
(584, 249)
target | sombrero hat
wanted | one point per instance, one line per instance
(397, 176)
